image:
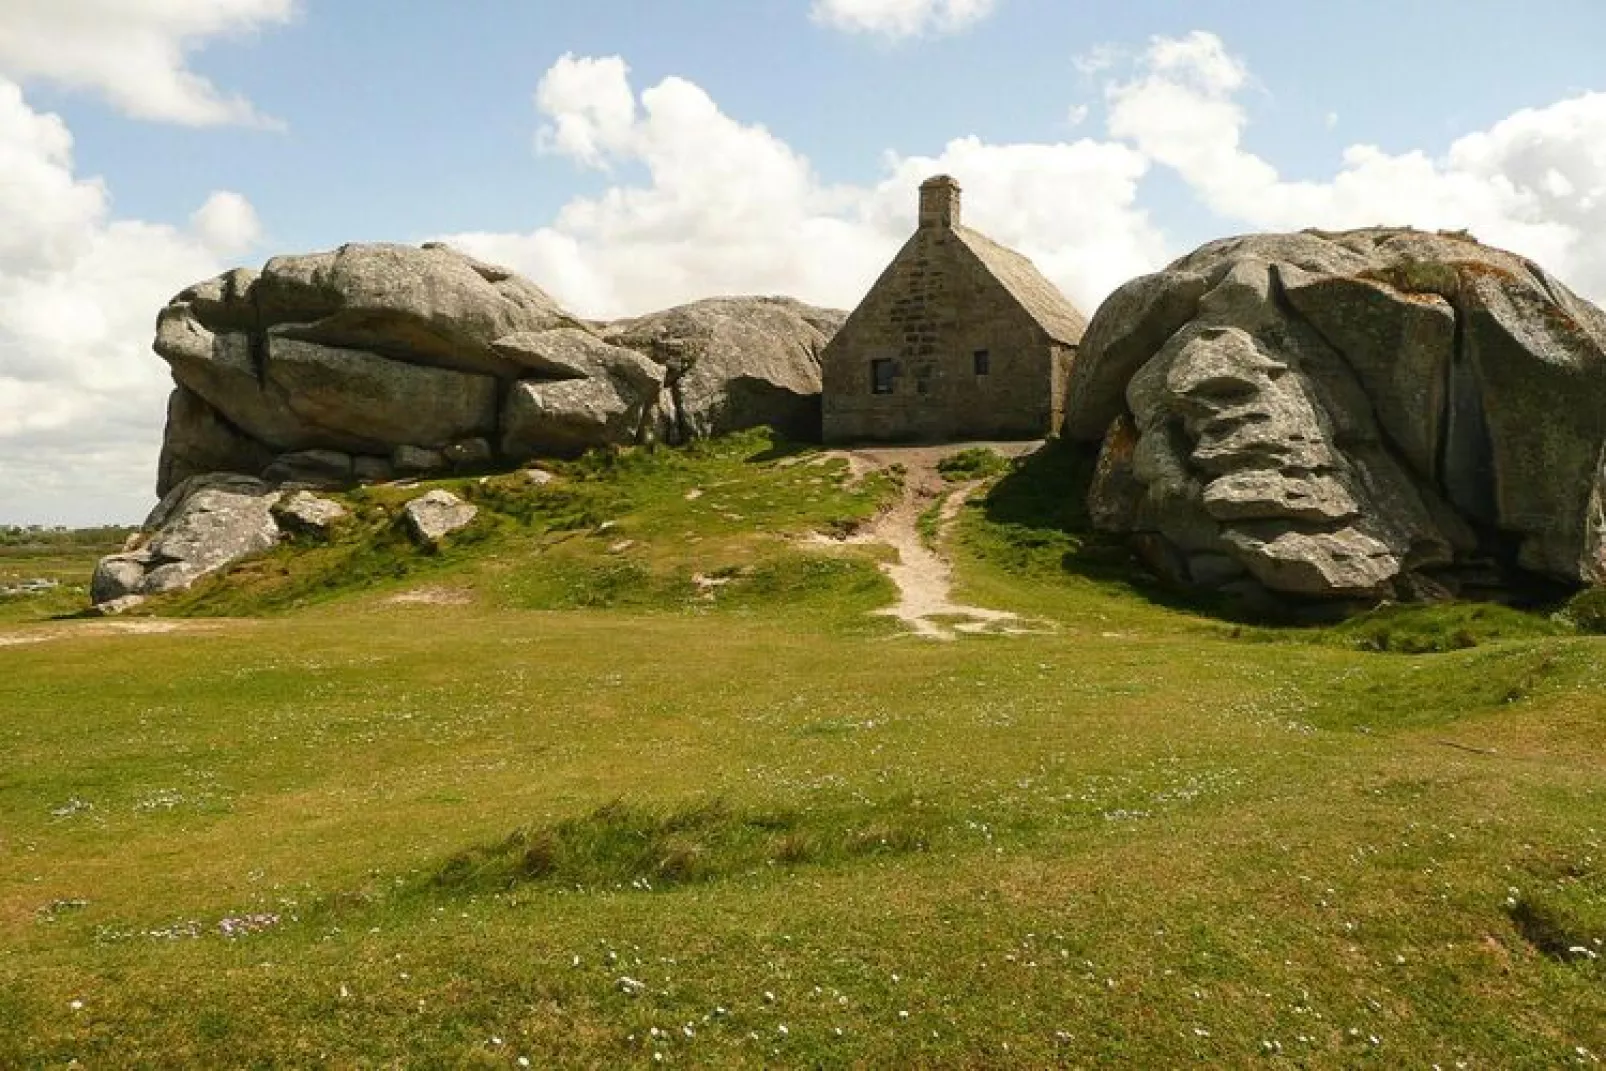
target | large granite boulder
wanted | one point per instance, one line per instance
(202, 525)
(593, 394)
(200, 440)
(391, 356)
(429, 305)
(1377, 413)
(734, 363)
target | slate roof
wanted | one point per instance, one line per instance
(1039, 297)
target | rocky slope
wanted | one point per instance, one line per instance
(1361, 414)
(375, 360)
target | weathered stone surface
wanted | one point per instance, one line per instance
(202, 525)
(430, 305)
(365, 468)
(734, 363)
(468, 454)
(1356, 414)
(570, 353)
(566, 417)
(357, 395)
(199, 440)
(321, 469)
(222, 369)
(303, 511)
(118, 575)
(434, 516)
(113, 607)
(410, 460)
(1141, 317)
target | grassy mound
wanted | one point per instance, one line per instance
(711, 526)
(619, 845)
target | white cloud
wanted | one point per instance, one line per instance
(82, 399)
(226, 224)
(901, 18)
(133, 51)
(1534, 183)
(730, 208)
(1098, 59)
(591, 108)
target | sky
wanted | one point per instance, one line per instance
(629, 155)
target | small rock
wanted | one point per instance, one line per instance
(119, 605)
(305, 512)
(621, 546)
(538, 477)
(436, 515)
(118, 575)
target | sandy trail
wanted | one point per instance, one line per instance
(132, 626)
(924, 577)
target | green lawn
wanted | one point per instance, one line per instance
(587, 809)
(66, 559)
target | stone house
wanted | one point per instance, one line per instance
(960, 338)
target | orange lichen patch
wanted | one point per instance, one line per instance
(1381, 279)
(1564, 323)
(1486, 270)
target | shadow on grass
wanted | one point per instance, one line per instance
(1038, 522)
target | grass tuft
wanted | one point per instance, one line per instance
(621, 844)
(1439, 627)
(972, 463)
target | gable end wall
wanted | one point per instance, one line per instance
(931, 310)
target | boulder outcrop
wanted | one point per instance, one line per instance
(423, 359)
(201, 525)
(733, 363)
(1376, 413)
(209, 522)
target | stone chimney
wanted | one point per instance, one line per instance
(939, 202)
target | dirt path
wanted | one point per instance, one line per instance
(127, 627)
(923, 576)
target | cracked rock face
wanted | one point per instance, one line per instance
(345, 366)
(1379, 413)
(733, 363)
(201, 526)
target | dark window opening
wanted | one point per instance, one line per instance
(882, 372)
(983, 362)
(922, 385)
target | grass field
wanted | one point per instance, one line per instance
(628, 776)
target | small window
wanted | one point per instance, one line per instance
(983, 362)
(882, 372)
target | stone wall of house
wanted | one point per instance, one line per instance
(933, 309)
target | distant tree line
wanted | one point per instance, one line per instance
(59, 535)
